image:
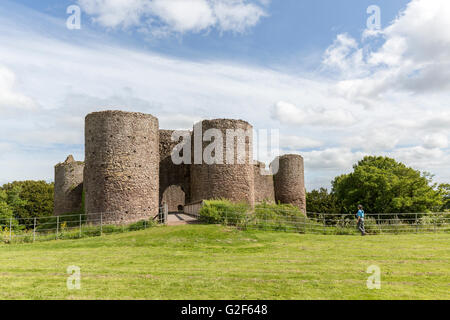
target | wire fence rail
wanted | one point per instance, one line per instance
(77, 226)
(73, 226)
(333, 224)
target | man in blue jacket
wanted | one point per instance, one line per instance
(360, 223)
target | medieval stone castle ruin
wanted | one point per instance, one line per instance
(128, 172)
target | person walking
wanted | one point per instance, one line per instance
(360, 222)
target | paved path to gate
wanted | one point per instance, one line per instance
(175, 219)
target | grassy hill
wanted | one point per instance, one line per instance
(215, 262)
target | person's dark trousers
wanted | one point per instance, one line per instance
(361, 226)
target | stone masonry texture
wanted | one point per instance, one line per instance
(68, 186)
(289, 181)
(231, 181)
(264, 187)
(128, 171)
(175, 197)
(121, 166)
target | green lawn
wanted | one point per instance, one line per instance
(215, 262)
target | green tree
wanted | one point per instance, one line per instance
(384, 185)
(321, 201)
(444, 189)
(6, 212)
(29, 199)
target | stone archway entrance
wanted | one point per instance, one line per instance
(175, 198)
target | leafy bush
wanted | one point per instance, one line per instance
(277, 211)
(280, 217)
(431, 221)
(224, 211)
(371, 226)
(29, 199)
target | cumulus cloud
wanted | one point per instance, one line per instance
(236, 15)
(436, 140)
(288, 113)
(420, 157)
(414, 57)
(375, 139)
(162, 17)
(291, 142)
(438, 121)
(10, 99)
(332, 158)
(321, 117)
(344, 55)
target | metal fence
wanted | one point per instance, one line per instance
(338, 224)
(81, 225)
(74, 226)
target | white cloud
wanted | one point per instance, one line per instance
(178, 121)
(436, 140)
(288, 113)
(375, 139)
(115, 13)
(183, 16)
(344, 55)
(332, 158)
(179, 16)
(414, 58)
(65, 81)
(237, 15)
(438, 121)
(425, 159)
(290, 142)
(10, 99)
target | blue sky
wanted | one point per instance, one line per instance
(291, 30)
(311, 69)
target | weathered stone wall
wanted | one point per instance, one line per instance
(264, 186)
(231, 181)
(68, 186)
(170, 174)
(121, 176)
(289, 181)
(174, 196)
(129, 172)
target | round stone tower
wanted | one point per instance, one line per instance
(121, 177)
(289, 181)
(68, 192)
(227, 171)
